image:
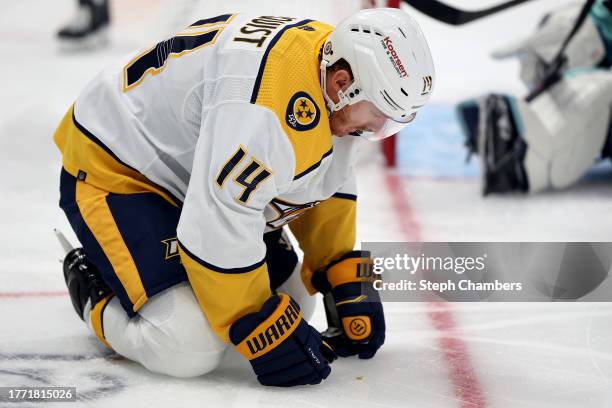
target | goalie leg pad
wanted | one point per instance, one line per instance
(568, 128)
(469, 117)
(501, 147)
(550, 142)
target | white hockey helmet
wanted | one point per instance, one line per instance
(390, 61)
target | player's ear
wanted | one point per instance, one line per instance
(338, 80)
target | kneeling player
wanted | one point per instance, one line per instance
(552, 141)
(182, 163)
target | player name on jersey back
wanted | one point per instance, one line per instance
(257, 31)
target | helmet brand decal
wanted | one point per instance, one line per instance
(427, 84)
(302, 112)
(394, 57)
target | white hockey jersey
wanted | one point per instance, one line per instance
(226, 119)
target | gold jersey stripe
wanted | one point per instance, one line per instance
(98, 217)
(97, 314)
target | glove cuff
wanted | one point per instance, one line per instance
(272, 330)
(354, 266)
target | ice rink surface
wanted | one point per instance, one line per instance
(436, 355)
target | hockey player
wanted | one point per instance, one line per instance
(553, 140)
(88, 25)
(182, 163)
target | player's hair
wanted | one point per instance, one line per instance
(338, 65)
(341, 64)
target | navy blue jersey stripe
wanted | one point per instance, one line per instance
(218, 19)
(262, 66)
(314, 166)
(346, 196)
(215, 268)
(98, 142)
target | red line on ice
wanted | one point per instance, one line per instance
(15, 295)
(465, 382)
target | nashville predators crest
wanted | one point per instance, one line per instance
(302, 112)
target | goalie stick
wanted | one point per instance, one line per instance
(455, 16)
(553, 70)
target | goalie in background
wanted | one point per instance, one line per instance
(551, 141)
(89, 25)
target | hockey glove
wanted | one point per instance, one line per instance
(282, 348)
(354, 311)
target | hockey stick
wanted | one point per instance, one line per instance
(553, 70)
(454, 16)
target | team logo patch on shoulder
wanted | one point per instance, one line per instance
(302, 112)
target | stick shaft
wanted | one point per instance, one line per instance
(454, 16)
